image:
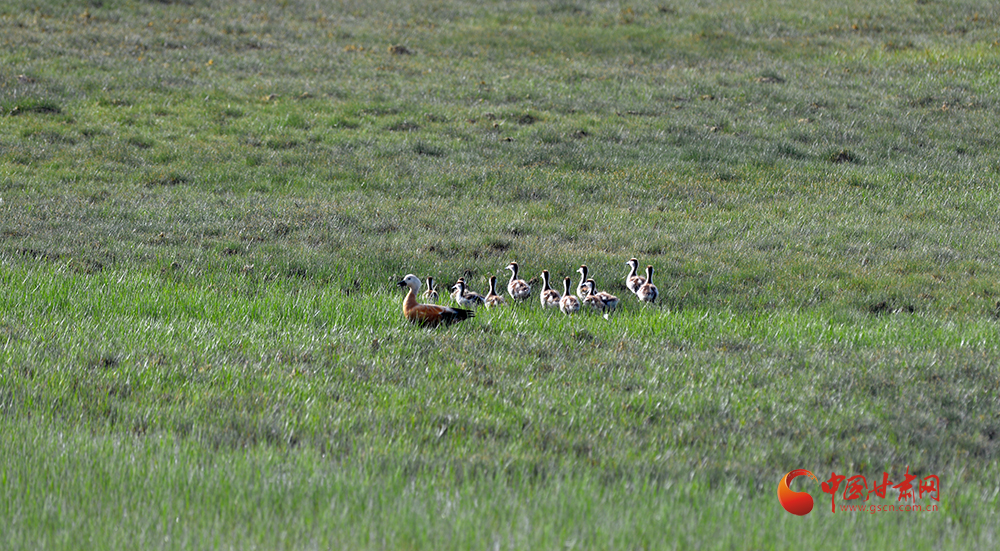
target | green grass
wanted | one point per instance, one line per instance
(174, 495)
(204, 208)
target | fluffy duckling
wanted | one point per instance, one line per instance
(648, 291)
(456, 292)
(581, 289)
(519, 289)
(492, 298)
(569, 304)
(600, 300)
(633, 281)
(591, 300)
(431, 294)
(430, 315)
(549, 297)
(463, 296)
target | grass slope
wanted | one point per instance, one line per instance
(204, 207)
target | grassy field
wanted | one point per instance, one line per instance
(205, 207)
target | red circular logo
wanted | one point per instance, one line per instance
(796, 503)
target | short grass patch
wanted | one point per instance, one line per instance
(205, 207)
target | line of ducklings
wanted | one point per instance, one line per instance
(587, 296)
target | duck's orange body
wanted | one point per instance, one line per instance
(428, 314)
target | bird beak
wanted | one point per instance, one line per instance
(402, 283)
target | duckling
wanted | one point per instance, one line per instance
(431, 294)
(581, 289)
(430, 315)
(569, 304)
(600, 300)
(632, 280)
(465, 297)
(549, 297)
(456, 291)
(648, 291)
(518, 288)
(492, 298)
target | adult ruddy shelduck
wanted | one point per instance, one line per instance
(492, 298)
(431, 294)
(519, 289)
(581, 289)
(430, 315)
(549, 297)
(633, 281)
(569, 304)
(648, 291)
(463, 296)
